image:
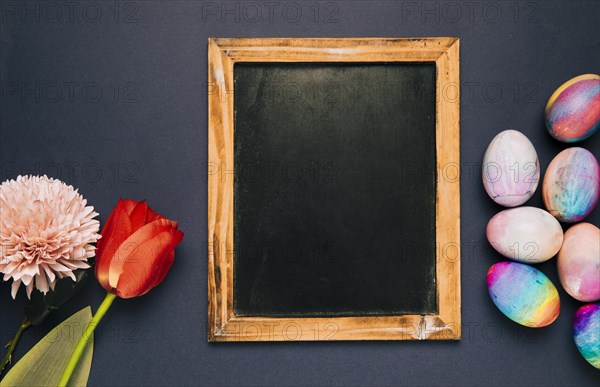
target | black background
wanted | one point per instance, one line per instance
(149, 140)
(335, 181)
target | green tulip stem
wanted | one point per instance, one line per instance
(11, 345)
(84, 339)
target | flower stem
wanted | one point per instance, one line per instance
(11, 345)
(84, 339)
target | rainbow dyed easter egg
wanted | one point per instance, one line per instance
(579, 262)
(523, 293)
(511, 170)
(525, 234)
(572, 185)
(573, 110)
(586, 333)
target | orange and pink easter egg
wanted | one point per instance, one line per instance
(579, 262)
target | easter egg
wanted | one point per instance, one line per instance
(573, 110)
(579, 262)
(525, 234)
(511, 170)
(586, 333)
(523, 293)
(572, 185)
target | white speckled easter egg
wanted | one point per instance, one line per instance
(511, 170)
(572, 185)
(523, 293)
(586, 333)
(579, 262)
(525, 234)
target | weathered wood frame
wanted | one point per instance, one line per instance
(223, 325)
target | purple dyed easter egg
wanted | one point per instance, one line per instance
(573, 110)
(586, 333)
(579, 262)
(523, 293)
(511, 170)
(571, 185)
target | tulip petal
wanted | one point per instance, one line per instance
(151, 216)
(115, 232)
(106, 231)
(129, 205)
(138, 216)
(163, 269)
(149, 264)
(130, 246)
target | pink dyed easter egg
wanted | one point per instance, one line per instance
(525, 234)
(573, 110)
(571, 185)
(579, 262)
(511, 170)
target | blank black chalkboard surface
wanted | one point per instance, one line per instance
(333, 189)
(334, 196)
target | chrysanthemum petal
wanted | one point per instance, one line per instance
(43, 221)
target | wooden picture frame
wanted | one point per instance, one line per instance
(223, 324)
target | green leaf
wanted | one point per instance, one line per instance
(44, 363)
(41, 305)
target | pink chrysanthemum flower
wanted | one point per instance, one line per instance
(46, 232)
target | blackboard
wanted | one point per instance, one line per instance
(333, 189)
(334, 196)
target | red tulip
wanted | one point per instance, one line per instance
(134, 255)
(136, 250)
